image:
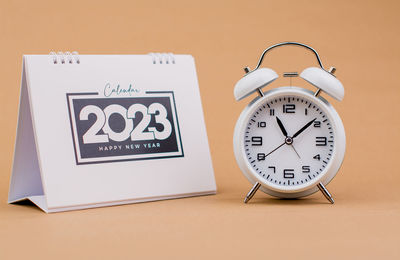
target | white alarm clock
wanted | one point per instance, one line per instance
(289, 141)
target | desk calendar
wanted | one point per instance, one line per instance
(100, 130)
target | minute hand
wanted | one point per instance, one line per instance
(304, 128)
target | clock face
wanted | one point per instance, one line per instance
(289, 141)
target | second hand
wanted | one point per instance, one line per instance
(275, 149)
(294, 149)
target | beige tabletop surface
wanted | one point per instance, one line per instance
(360, 38)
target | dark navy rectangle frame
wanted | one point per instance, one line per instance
(131, 159)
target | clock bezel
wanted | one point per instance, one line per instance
(310, 187)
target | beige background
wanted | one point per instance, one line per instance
(360, 38)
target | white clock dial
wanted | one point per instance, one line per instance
(289, 141)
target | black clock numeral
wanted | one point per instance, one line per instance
(272, 167)
(317, 157)
(289, 108)
(260, 156)
(305, 111)
(317, 123)
(272, 112)
(306, 169)
(320, 141)
(288, 173)
(256, 141)
(261, 124)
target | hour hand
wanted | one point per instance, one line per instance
(284, 132)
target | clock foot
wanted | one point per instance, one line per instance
(252, 192)
(326, 193)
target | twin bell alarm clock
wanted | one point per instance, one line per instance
(289, 142)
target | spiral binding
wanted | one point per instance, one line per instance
(71, 57)
(162, 58)
(63, 57)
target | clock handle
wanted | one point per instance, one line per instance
(319, 77)
(288, 43)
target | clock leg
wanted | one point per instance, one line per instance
(326, 193)
(252, 192)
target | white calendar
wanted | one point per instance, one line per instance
(101, 130)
